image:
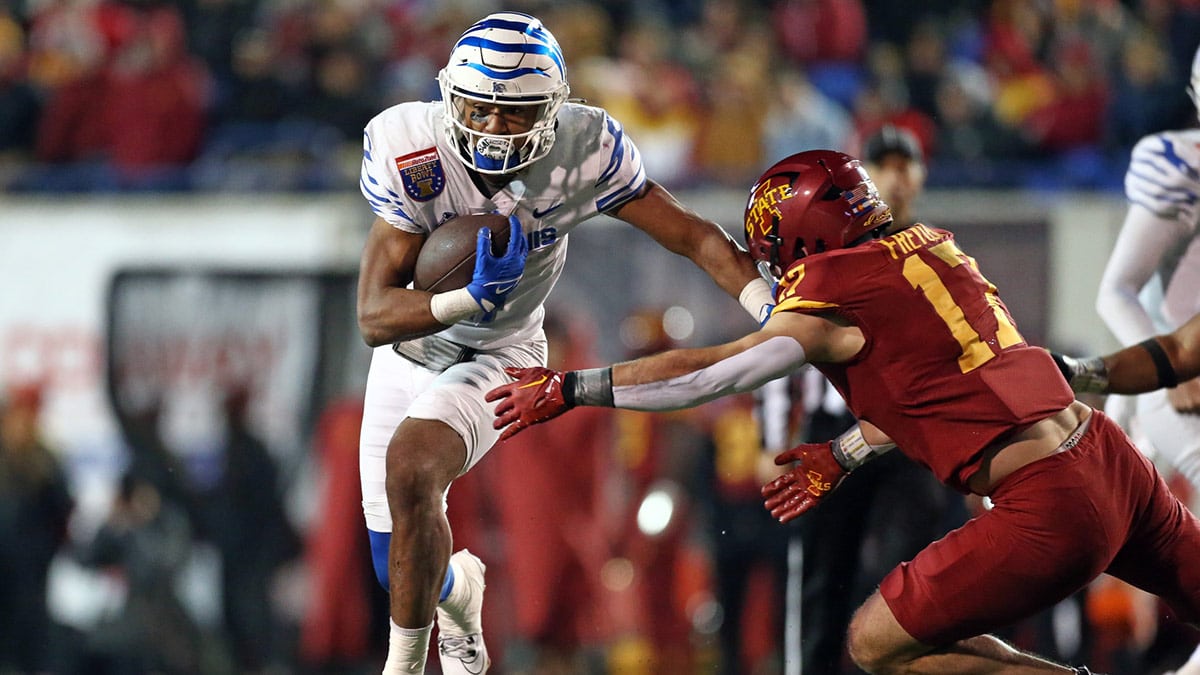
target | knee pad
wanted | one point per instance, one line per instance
(380, 541)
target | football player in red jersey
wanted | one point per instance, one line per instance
(928, 358)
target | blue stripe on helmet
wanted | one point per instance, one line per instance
(504, 74)
(547, 50)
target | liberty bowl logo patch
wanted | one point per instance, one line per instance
(421, 174)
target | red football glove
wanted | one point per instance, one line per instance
(816, 474)
(535, 397)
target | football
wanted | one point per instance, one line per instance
(447, 258)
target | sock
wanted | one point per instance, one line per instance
(448, 584)
(407, 649)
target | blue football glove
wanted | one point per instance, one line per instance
(496, 277)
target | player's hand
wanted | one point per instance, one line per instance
(496, 276)
(536, 396)
(1186, 397)
(815, 474)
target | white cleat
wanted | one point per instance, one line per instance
(460, 622)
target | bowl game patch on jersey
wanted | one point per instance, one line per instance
(421, 174)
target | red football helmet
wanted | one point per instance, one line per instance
(813, 201)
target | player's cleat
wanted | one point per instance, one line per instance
(460, 623)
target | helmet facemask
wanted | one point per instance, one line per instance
(510, 61)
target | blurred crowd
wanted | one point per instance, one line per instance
(273, 94)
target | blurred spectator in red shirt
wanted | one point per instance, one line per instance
(19, 104)
(145, 108)
(1074, 117)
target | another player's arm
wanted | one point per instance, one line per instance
(680, 378)
(387, 311)
(1161, 361)
(683, 231)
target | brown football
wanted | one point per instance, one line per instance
(447, 258)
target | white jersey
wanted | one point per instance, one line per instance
(413, 179)
(1159, 239)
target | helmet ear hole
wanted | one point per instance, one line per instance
(834, 192)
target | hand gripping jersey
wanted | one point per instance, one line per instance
(944, 371)
(412, 179)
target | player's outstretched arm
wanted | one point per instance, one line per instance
(681, 230)
(680, 378)
(1162, 361)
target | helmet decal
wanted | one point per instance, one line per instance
(764, 204)
(808, 203)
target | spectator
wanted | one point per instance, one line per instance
(253, 92)
(969, 135)
(19, 103)
(34, 507)
(1074, 116)
(729, 141)
(144, 543)
(338, 95)
(800, 116)
(246, 521)
(657, 100)
(1146, 98)
(144, 110)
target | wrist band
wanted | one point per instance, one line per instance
(1166, 372)
(588, 387)
(852, 450)
(1088, 376)
(453, 306)
(756, 295)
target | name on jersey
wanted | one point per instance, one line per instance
(908, 240)
(421, 174)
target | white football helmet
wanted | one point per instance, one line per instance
(1193, 88)
(508, 59)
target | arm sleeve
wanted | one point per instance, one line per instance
(1162, 185)
(1145, 238)
(742, 372)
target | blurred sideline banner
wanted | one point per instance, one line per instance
(180, 340)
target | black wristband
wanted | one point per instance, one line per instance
(570, 381)
(1166, 372)
(588, 387)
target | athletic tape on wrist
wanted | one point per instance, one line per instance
(1167, 376)
(852, 450)
(755, 296)
(1088, 376)
(588, 387)
(453, 306)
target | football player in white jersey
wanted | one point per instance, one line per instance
(504, 139)
(1160, 242)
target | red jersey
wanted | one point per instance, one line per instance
(944, 371)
